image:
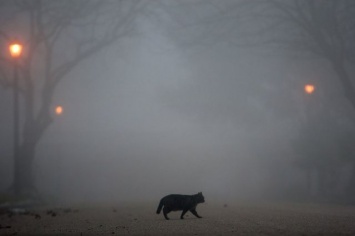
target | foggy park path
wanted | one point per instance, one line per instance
(139, 219)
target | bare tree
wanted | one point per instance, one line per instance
(314, 30)
(317, 29)
(84, 27)
(321, 29)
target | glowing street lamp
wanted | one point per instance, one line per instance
(309, 88)
(59, 110)
(15, 50)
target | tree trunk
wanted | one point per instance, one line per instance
(23, 170)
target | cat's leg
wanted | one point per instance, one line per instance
(183, 213)
(193, 211)
(166, 210)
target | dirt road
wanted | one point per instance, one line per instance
(140, 219)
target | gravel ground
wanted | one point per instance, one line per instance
(140, 219)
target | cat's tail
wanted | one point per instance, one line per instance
(160, 206)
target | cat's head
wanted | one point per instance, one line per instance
(200, 198)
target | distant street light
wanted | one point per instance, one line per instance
(309, 88)
(59, 110)
(15, 52)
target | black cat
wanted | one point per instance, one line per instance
(177, 202)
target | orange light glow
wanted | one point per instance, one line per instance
(309, 88)
(59, 110)
(15, 50)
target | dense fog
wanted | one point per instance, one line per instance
(167, 110)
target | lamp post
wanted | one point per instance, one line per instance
(15, 52)
(59, 112)
(309, 89)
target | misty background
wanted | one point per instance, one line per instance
(152, 115)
